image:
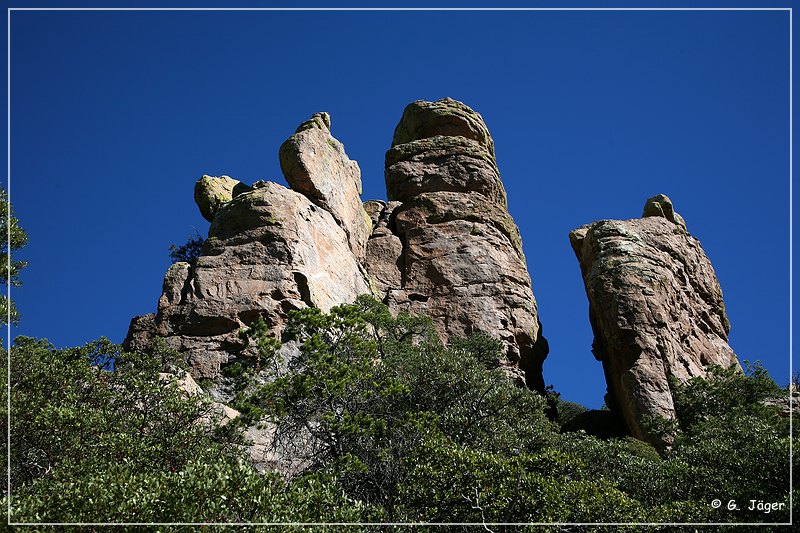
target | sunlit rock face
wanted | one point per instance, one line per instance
(655, 307)
(269, 250)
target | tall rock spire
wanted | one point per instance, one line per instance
(655, 307)
(445, 244)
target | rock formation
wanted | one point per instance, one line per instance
(269, 250)
(655, 307)
(445, 244)
(315, 165)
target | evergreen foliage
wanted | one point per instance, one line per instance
(13, 238)
(387, 425)
(189, 252)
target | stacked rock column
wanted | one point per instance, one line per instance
(445, 245)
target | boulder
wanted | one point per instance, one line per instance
(211, 192)
(442, 118)
(315, 164)
(656, 310)
(661, 206)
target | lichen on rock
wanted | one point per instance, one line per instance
(211, 192)
(445, 245)
(661, 206)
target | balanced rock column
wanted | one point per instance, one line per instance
(445, 244)
(655, 307)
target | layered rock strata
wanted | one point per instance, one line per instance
(445, 245)
(655, 307)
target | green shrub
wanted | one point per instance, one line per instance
(189, 252)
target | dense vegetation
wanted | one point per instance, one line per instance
(384, 424)
(13, 238)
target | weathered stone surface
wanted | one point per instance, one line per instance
(445, 244)
(384, 248)
(442, 164)
(268, 251)
(316, 165)
(210, 192)
(655, 307)
(141, 333)
(661, 206)
(445, 117)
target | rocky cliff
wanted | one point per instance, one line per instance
(443, 245)
(655, 307)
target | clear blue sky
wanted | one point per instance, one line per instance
(114, 115)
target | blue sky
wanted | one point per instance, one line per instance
(114, 115)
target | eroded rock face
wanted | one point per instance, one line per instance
(655, 307)
(445, 244)
(316, 165)
(384, 248)
(269, 250)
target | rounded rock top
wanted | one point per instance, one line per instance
(447, 117)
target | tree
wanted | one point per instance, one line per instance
(13, 238)
(366, 389)
(189, 252)
(381, 422)
(96, 444)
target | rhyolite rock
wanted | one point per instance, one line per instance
(655, 307)
(661, 206)
(210, 192)
(445, 244)
(269, 250)
(316, 165)
(384, 249)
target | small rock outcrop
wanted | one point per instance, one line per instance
(211, 192)
(445, 245)
(655, 307)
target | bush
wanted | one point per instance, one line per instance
(189, 252)
(367, 387)
(385, 423)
